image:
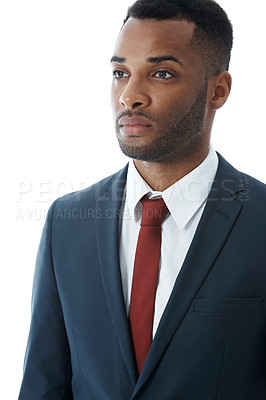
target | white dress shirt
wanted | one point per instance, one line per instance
(185, 200)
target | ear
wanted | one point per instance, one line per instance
(219, 90)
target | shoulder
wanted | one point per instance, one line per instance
(246, 189)
(257, 188)
(227, 171)
(88, 197)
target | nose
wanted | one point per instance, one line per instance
(134, 95)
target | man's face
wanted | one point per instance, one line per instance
(159, 91)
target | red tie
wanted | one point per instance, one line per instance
(144, 283)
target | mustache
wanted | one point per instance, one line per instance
(129, 113)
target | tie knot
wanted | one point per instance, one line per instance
(153, 212)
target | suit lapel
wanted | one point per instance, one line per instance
(107, 235)
(217, 220)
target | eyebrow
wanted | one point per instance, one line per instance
(157, 60)
(152, 60)
(119, 60)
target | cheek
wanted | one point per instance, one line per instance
(115, 97)
(171, 112)
(164, 106)
(168, 99)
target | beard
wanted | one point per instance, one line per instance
(179, 137)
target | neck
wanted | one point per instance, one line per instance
(161, 175)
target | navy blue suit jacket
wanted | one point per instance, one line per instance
(211, 340)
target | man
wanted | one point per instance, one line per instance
(151, 284)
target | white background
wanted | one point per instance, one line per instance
(57, 129)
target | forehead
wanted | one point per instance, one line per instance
(147, 38)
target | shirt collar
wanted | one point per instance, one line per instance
(183, 198)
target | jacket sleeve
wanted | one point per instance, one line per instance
(47, 366)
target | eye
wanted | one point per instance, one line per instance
(163, 75)
(119, 74)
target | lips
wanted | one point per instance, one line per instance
(137, 120)
(134, 126)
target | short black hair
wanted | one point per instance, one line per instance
(213, 34)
